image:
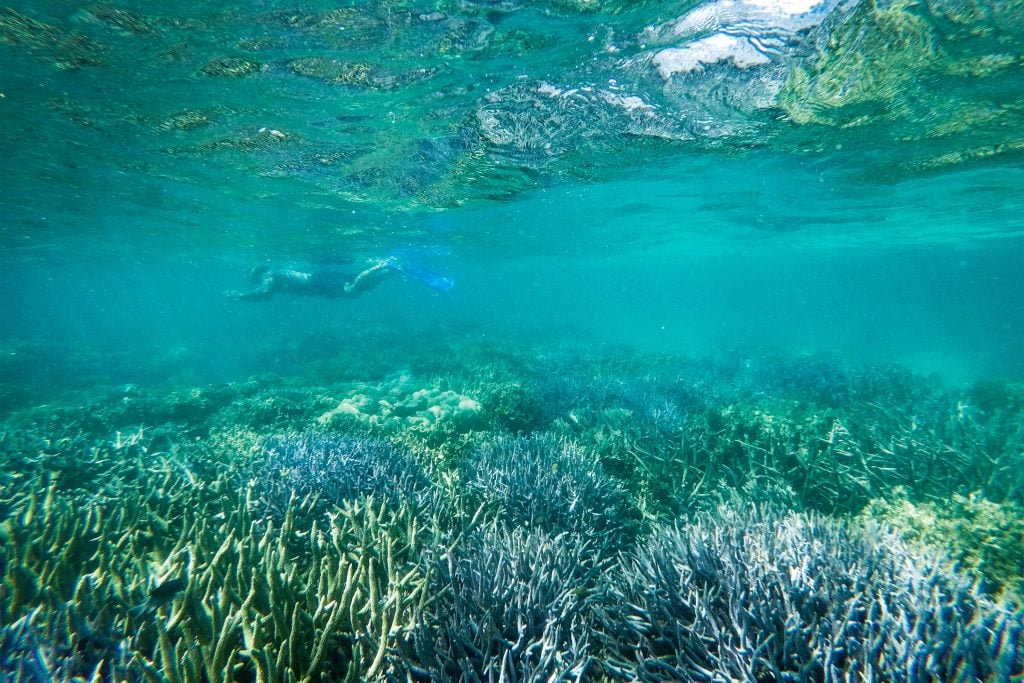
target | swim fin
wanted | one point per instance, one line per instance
(431, 279)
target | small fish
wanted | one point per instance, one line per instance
(160, 596)
(165, 592)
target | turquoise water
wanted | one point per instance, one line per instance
(745, 273)
(838, 177)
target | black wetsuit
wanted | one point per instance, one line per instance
(329, 283)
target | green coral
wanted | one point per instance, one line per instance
(133, 544)
(514, 406)
(310, 598)
(437, 424)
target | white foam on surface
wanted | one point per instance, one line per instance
(546, 88)
(789, 15)
(744, 33)
(627, 102)
(718, 47)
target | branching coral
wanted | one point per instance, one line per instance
(159, 540)
(509, 605)
(887, 432)
(335, 468)
(327, 603)
(759, 597)
(982, 536)
(175, 584)
(552, 484)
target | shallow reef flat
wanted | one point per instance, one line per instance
(514, 515)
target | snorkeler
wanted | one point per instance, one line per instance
(331, 284)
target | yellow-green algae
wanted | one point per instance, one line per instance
(878, 53)
(864, 67)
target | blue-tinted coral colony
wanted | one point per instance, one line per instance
(571, 552)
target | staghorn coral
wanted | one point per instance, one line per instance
(335, 468)
(552, 484)
(510, 605)
(768, 597)
(323, 604)
(129, 551)
(763, 426)
(174, 579)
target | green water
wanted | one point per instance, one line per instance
(710, 256)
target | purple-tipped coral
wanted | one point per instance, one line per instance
(510, 606)
(22, 656)
(65, 646)
(552, 484)
(336, 468)
(761, 598)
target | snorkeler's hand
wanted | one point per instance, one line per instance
(233, 294)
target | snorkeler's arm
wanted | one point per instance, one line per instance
(368, 278)
(261, 293)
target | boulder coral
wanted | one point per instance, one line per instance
(398, 407)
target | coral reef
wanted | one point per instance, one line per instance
(978, 534)
(399, 406)
(837, 436)
(511, 605)
(171, 579)
(68, 49)
(230, 67)
(761, 597)
(551, 484)
(335, 469)
(518, 517)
